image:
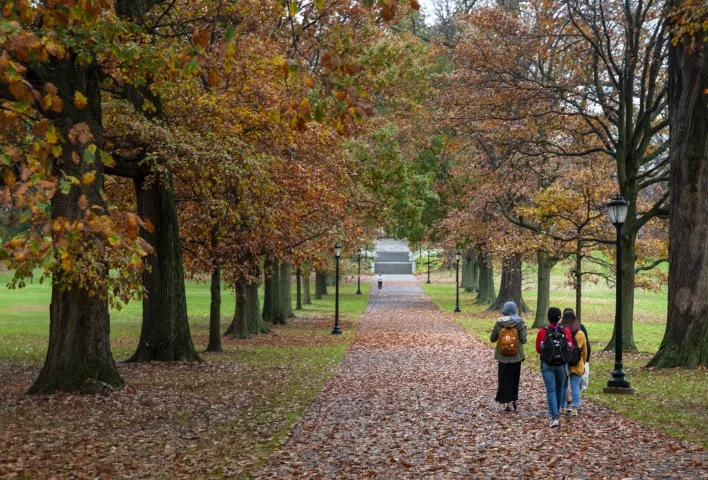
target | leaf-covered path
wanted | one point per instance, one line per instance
(414, 398)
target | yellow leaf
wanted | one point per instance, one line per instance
(88, 178)
(80, 100)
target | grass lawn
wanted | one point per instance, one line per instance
(220, 418)
(672, 400)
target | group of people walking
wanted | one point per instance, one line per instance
(564, 351)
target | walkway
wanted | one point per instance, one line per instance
(414, 399)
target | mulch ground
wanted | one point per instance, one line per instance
(414, 398)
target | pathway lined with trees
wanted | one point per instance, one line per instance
(414, 396)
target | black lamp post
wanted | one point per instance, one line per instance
(428, 264)
(358, 278)
(458, 256)
(617, 211)
(337, 253)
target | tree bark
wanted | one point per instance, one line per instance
(486, 293)
(510, 288)
(320, 286)
(685, 342)
(256, 325)
(543, 298)
(215, 312)
(280, 316)
(242, 312)
(79, 355)
(470, 282)
(579, 285)
(298, 294)
(306, 300)
(165, 334)
(629, 260)
(286, 287)
(268, 285)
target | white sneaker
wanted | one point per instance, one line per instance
(554, 423)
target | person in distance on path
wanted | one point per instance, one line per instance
(380, 280)
(510, 334)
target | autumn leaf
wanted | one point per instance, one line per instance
(88, 178)
(79, 100)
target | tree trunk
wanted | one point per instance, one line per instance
(510, 288)
(298, 294)
(268, 285)
(306, 300)
(215, 312)
(579, 285)
(286, 290)
(79, 354)
(469, 282)
(320, 287)
(242, 312)
(486, 280)
(543, 298)
(280, 316)
(629, 260)
(685, 342)
(256, 325)
(475, 275)
(165, 334)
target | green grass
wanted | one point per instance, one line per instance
(672, 400)
(279, 374)
(24, 317)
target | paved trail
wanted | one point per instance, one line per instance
(414, 399)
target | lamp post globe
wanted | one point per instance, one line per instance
(618, 383)
(337, 253)
(458, 256)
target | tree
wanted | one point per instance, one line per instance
(685, 342)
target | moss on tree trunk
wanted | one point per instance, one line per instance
(510, 288)
(685, 342)
(215, 312)
(543, 298)
(165, 334)
(486, 293)
(79, 354)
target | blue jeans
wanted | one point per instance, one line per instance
(574, 390)
(554, 379)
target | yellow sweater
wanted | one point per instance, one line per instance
(579, 369)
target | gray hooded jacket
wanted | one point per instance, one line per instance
(510, 319)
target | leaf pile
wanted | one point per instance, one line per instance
(174, 420)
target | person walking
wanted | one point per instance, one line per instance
(380, 281)
(554, 343)
(585, 380)
(576, 364)
(510, 334)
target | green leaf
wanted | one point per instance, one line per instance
(90, 153)
(64, 186)
(293, 9)
(319, 113)
(319, 4)
(230, 33)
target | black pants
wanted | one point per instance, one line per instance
(380, 284)
(508, 388)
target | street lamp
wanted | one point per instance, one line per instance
(337, 253)
(428, 264)
(458, 256)
(358, 278)
(617, 211)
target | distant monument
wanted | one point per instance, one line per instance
(393, 257)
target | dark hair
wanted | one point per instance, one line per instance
(554, 315)
(570, 321)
